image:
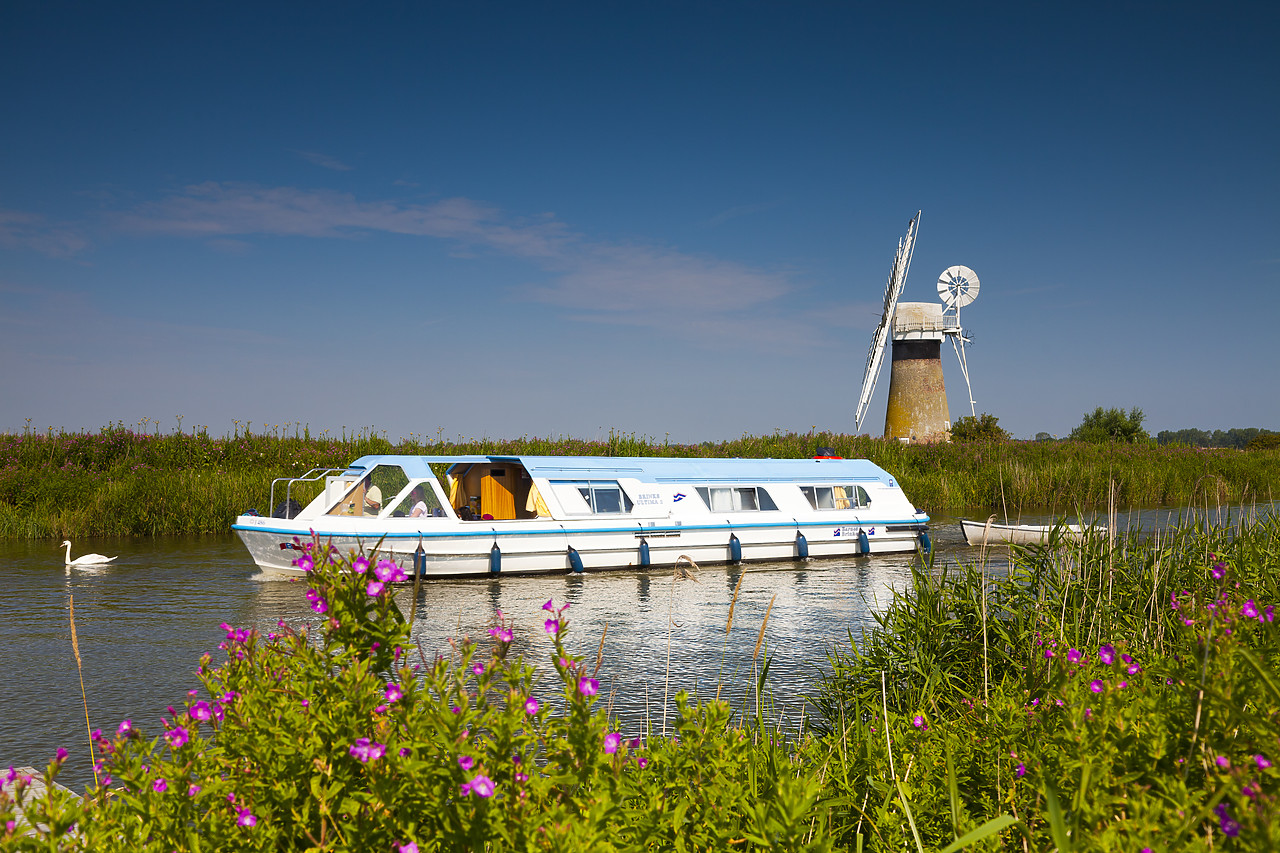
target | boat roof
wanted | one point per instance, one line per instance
(653, 469)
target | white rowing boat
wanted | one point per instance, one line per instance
(990, 533)
(527, 514)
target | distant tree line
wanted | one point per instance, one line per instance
(1116, 425)
(1238, 438)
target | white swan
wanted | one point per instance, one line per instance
(87, 559)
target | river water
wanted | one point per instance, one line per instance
(143, 621)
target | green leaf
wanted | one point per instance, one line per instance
(953, 791)
(1057, 826)
(906, 807)
(988, 829)
(1263, 672)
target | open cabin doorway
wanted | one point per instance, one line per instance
(493, 491)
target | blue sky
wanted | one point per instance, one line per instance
(666, 218)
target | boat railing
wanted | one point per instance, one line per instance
(311, 476)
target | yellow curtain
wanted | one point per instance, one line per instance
(536, 504)
(495, 498)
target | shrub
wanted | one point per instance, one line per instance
(1104, 425)
(1264, 441)
(985, 427)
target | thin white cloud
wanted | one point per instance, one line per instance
(215, 209)
(613, 283)
(229, 246)
(19, 230)
(638, 285)
(642, 279)
(324, 161)
(741, 210)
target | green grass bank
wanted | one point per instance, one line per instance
(119, 481)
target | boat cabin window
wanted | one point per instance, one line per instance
(836, 497)
(421, 501)
(365, 498)
(736, 498)
(591, 497)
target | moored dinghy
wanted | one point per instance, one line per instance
(990, 533)
(529, 514)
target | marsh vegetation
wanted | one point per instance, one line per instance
(124, 481)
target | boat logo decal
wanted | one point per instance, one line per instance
(677, 497)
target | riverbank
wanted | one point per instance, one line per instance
(120, 482)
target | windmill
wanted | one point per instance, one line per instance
(917, 406)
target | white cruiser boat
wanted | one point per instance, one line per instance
(529, 514)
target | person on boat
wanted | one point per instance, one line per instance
(372, 497)
(420, 506)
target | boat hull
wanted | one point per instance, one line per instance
(979, 533)
(524, 548)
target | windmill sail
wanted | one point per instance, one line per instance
(892, 290)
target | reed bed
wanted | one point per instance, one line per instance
(126, 481)
(1117, 694)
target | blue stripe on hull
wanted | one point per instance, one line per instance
(492, 531)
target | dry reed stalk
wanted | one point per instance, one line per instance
(986, 696)
(724, 648)
(677, 575)
(763, 625)
(884, 699)
(600, 650)
(734, 602)
(1111, 534)
(756, 654)
(75, 648)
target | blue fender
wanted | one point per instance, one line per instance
(863, 542)
(644, 551)
(575, 560)
(420, 562)
(735, 548)
(925, 544)
(802, 546)
(495, 559)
